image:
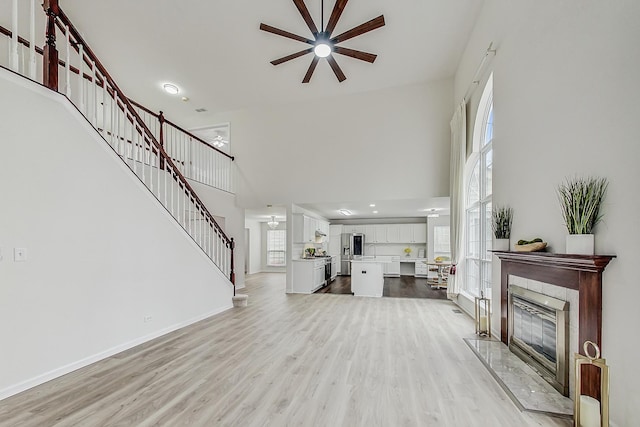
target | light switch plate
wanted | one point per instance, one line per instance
(19, 254)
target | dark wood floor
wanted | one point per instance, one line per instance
(399, 287)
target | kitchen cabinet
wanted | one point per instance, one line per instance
(370, 234)
(422, 269)
(308, 275)
(304, 228)
(334, 267)
(318, 275)
(392, 232)
(413, 233)
(392, 267)
(353, 229)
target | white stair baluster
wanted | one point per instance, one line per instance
(67, 65)
(83, 106)
(32, 41)
(14, 56)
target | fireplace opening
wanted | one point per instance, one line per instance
(538, 334)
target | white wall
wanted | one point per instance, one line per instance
(255, 245)
(391, 143)
(566, 93)
(102, 252)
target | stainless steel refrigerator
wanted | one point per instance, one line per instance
(352, 247)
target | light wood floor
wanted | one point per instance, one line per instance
(303, 360)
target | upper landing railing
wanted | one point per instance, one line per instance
(197, 159)
(89, 86)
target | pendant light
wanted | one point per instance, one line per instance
(273, 224)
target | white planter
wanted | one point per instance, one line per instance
(581, 244)
(240, 300)
(500, 244)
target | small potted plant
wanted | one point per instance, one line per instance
(581, 201)
(502, 219)
(407, 252)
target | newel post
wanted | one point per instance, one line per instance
(161, 137)
(50, 55)
(233, 273)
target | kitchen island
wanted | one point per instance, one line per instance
(367, 279)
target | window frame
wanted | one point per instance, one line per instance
(282, 241)
(477, 240)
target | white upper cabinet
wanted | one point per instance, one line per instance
(406, 233)
(380, 233)
(390, 233)
(419, 233)
(304, 228)
(413, 233)
(370, 234)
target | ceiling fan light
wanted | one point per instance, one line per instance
(322, 50)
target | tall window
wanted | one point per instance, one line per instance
(478, 202)
(276, 248)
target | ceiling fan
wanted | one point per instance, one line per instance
(323, 45)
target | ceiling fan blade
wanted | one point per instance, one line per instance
(302, 8)
(358, 54)
(312, 68)
(283, 33)
(375, 23)
(336, 68)
(292, 56)
(335, 15)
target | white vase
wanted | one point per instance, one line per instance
(581, 244)
(500, 244)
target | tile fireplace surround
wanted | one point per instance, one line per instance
(582, 273)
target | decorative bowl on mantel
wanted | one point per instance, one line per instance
(531, 247)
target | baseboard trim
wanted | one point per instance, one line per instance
(63, 370)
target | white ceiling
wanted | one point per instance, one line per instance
(215, 52)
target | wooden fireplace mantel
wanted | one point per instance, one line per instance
(580, 272)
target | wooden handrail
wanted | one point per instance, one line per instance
(170, 123)
(6, 32)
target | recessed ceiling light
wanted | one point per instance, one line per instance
(345, 212)
(375, 211)
(171, 88)
(372, 205)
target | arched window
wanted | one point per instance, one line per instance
(478, 235)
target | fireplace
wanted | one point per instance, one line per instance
(538, 334)
(582, 273)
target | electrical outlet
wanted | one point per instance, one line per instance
(147, 319)
(19, 254)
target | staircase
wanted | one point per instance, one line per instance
(161, 154)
